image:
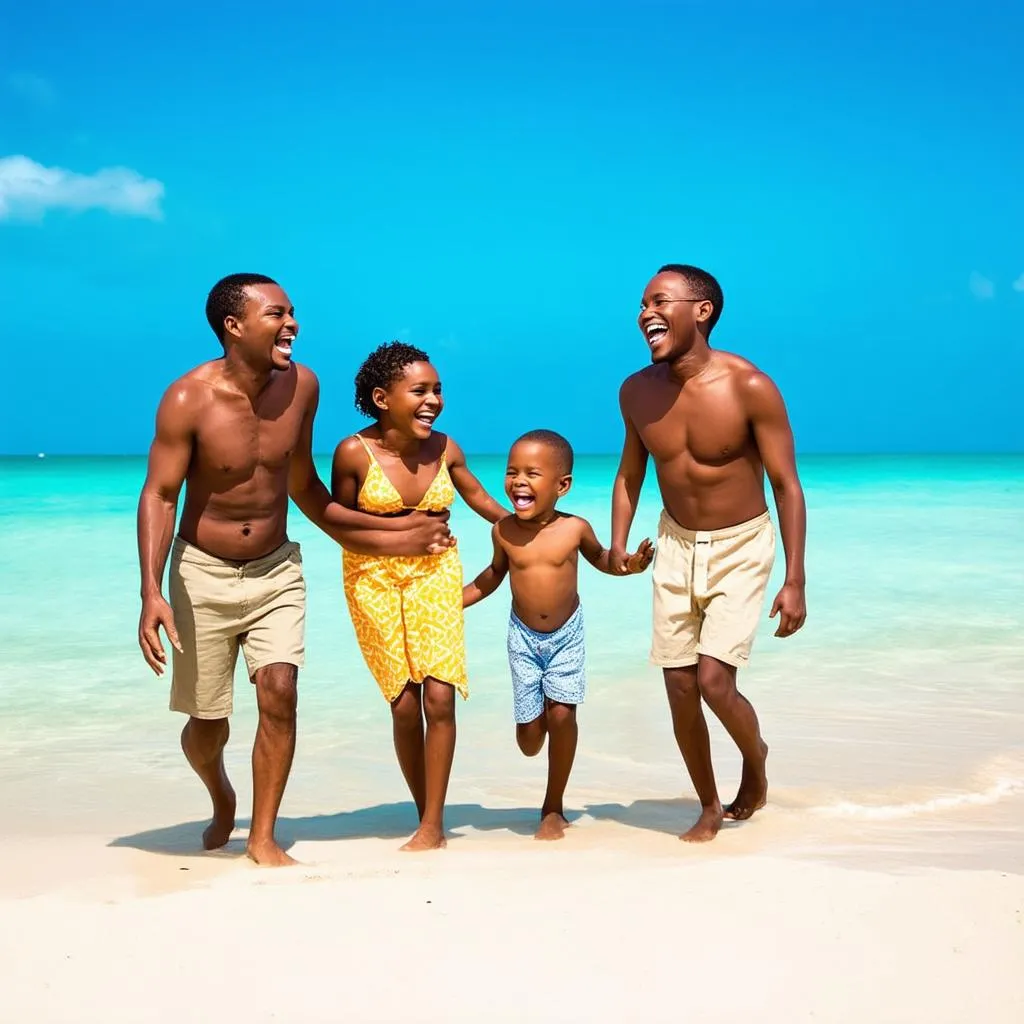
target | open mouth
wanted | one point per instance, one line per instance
(426, 418)
(523, 501)
(284, 344)
(654, 332)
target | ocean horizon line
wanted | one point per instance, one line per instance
(990, 454)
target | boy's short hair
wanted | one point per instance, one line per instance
(558, 444)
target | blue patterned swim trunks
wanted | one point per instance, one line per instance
(546, 665)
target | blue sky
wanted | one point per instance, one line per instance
(496, 183)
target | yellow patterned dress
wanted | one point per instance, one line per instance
(407, 610)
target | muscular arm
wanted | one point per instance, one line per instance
(357, 531)
(774, 438)
(628, 482)
(471, 490)
(601, 558)
(169, 458)
(490, 579)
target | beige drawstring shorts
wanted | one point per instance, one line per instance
(709, 590)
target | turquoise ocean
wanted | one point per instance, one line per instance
(896, 718)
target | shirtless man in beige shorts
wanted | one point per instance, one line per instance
(715, 425)
(237, 431)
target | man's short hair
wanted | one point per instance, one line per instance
(704, 287)
(227, 298)
(554, 441)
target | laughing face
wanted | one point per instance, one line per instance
(535, 480)
(670, 315)
(267, 328)
(413, 402)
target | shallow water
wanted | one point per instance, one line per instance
(895, 718)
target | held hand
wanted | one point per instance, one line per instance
(156, 612)
(618, 562)
(639, 561)
(430, 529)
(791, 606)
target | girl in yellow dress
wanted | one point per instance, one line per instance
(407, 610)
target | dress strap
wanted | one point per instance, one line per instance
(366, 448)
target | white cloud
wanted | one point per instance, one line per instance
(1018, 285)
(29, 189)
(981, 287)
(34, 88)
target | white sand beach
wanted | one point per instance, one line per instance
(612, 924)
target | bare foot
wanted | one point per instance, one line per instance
(753, 792)
(268, 854)
(218, 832)
(552, 826)
(427, 837)
(706, 827)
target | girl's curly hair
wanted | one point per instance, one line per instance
(381, 369)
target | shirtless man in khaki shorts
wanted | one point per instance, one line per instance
(715, 426)
(237, 431)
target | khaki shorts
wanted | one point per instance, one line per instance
(709, 590)
(220, 605)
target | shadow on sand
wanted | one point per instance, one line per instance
(673, 817)
(383, 821)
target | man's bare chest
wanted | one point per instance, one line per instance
(709, 426)
(236, 442)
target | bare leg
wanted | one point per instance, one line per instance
(717, 682)
(272, 753)
(439, 752)
(203, 742)
(531, 735)
(407, 728)
(691, 731)
(562, 736)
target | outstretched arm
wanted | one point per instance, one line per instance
(357, 531)
(601, 558)
(169, 457)
(626, 490)
(774, 438)
(471, 490)
(490, 579)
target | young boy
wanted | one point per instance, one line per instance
(539, 548)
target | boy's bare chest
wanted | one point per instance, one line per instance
(556, 547)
